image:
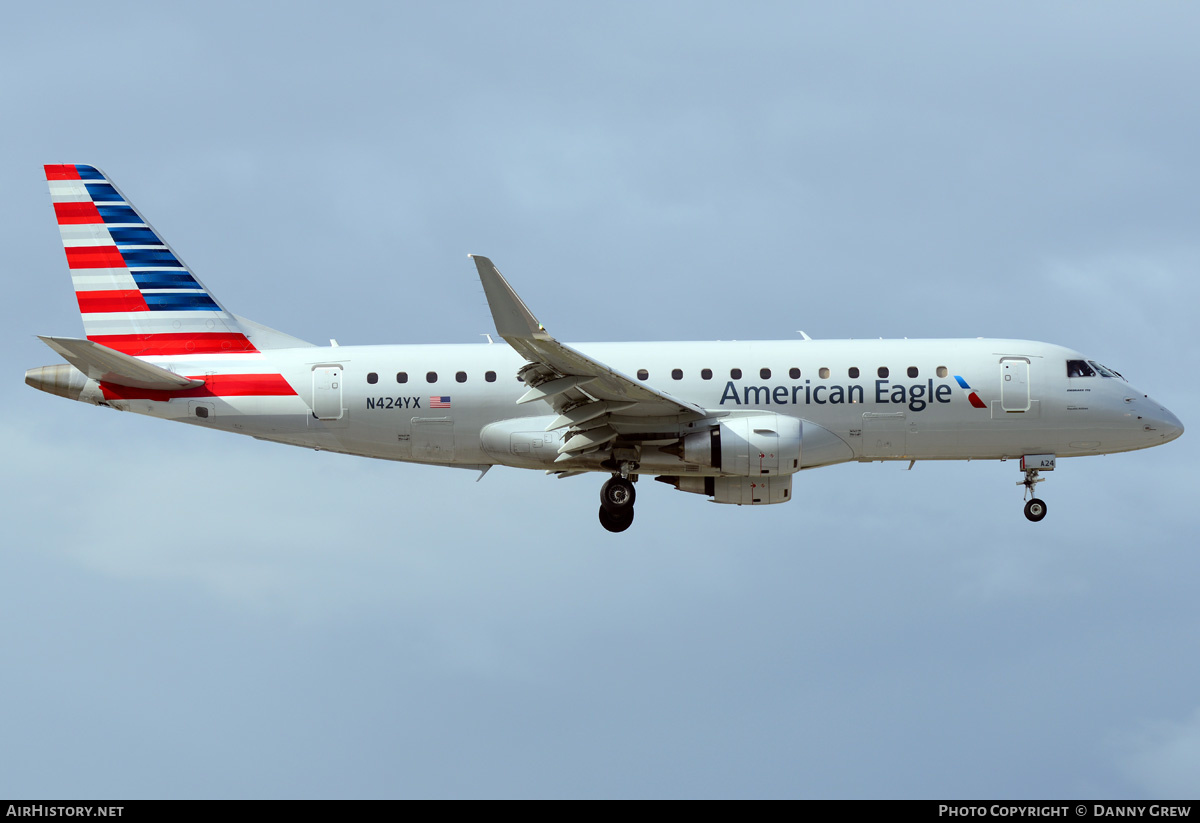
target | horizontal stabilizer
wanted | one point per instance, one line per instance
(106, 365)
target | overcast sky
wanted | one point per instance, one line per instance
(193, 614)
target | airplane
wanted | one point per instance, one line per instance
(732, 421)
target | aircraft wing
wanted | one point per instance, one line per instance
(106, 365)
(584, 391)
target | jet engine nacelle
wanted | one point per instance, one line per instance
(762, 444)
(741, 491)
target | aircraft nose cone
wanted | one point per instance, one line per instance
(1159, 423)
(1170, 425)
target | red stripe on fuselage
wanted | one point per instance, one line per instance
(975, 401)
(151, 345)
(61, 172)
(70, 213)
(215, 385)
(94, 257)
(91, 302)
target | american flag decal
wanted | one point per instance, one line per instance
(439, 402)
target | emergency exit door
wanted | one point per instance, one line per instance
(327, 392)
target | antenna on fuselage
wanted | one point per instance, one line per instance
(803, 334)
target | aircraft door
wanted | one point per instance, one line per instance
(327, 393)
(1014, 384)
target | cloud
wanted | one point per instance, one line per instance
(1163, 757)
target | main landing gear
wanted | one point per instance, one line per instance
(1035, 508)
(616, 502)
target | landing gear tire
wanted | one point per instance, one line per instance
(1035, 509)
(617, 495)
(616, 522)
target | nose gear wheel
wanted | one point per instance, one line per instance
(1035, 509)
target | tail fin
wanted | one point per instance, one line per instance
(135, 294)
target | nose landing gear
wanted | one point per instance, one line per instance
(1035, 508)
(616, 501)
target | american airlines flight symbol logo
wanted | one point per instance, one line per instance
(971, 395)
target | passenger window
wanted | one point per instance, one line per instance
(431, 377)
(853, 371)
(1078, 368)
(942, 371)
(643, 374)
(824, 372)
(706, 374)
(461, 377)
(794, 373)
(676, 374)
(489, 376)
(372, 378)
(913, 372)
(883, 371)
(736, 374)
(765, 374)
(401, 377)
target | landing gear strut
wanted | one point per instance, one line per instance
(1035, 509)
(616, 501)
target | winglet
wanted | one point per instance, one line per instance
(509, 312)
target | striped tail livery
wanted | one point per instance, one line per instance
(135, 293)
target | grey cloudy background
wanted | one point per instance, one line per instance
(188, 614)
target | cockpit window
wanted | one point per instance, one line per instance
(1079, 368)
(1104, 370)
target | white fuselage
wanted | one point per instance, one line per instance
(1026, 403)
